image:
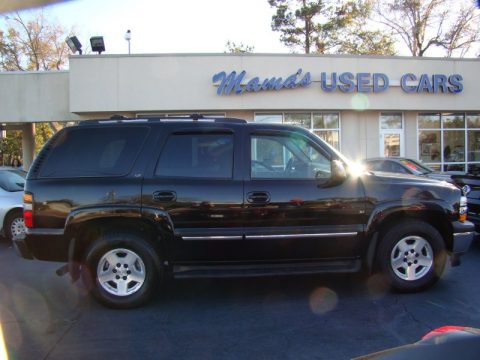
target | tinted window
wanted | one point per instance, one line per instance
(197, 156)
(102, 151)
(12, 180)
(287, 157)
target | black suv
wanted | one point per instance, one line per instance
(126, 203)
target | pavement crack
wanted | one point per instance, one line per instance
(71, 323)
(412, 316)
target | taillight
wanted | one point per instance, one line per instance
(463, 209)
(28, 210)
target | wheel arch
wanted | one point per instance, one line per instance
(153, 228)
(377, 229)
(7, 216)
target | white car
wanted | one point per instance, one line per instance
(12, 182)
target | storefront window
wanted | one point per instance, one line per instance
(429, 146)
(325, 121)
(429, 121)
(458, 138)
(390, 121)
(473, 145)
(473, 121)
(303, 120)
(269, 118)
(453, 121)
(324, 124)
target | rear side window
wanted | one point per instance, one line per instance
(197, 156)
(102, 151)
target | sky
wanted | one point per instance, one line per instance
(169, 26)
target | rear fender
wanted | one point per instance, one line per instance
(84, 225)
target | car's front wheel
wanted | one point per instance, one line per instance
(412, 255)
(122, 270)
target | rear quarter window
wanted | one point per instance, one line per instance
(94, 151)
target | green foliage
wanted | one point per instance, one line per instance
(422, 25)
(43, 132)
(11, 144)
(328, 26)
(235, 48)
(32, 45)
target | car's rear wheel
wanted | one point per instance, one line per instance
(14, 225)
(122, 270)
(412, 256)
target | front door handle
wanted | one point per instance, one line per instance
(258, 197)
(164, 196)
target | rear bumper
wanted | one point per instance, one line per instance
(43, 245)
(22, 249)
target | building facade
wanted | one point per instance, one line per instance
(422, 108)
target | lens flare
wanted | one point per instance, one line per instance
(356, 169)
(3, 348)
(323, 300)
(360, 102)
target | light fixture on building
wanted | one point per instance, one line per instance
(97, 44)
(128, 37)
(74, 44)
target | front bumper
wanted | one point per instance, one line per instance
(463, 234)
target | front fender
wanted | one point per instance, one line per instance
(413, 208)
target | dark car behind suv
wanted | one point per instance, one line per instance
(126, 203)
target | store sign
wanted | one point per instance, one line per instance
(347, 82)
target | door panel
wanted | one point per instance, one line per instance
(194, 181)
(303, 218)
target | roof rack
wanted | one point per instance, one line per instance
(117, 119)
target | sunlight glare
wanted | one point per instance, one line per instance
(3, 348)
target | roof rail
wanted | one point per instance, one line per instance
(117, 119)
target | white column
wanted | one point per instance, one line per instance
(28, 144)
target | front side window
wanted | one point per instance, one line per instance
(325, 125)
(197, 156)
(286, 157)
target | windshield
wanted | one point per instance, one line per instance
(12, 180)
(415, 167)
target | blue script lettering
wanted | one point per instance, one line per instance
(232, 83)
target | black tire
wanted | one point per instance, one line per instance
(404, 253)
(114, 293)
(14, 224)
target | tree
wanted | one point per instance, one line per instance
(425, 24)
(328, 26)
(32, 45)
(235, 48)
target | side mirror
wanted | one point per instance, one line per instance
(338, 174)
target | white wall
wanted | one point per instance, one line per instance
(163, 82)
(34, 97)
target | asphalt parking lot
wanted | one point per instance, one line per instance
(322, 317)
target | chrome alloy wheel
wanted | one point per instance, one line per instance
(17, 228)
(411, 258)
(121, 272)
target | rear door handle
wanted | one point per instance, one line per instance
(164, 196)
(258, 197)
